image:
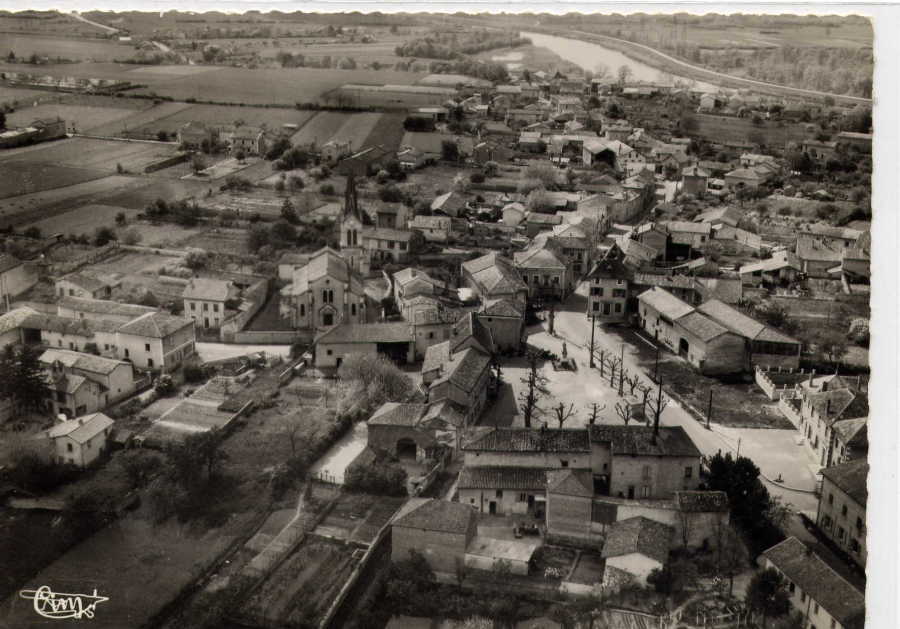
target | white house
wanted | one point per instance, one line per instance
(78, 441)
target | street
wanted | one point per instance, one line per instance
(774, 451)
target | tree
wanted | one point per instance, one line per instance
(594, 409)
(449, 151)
(103, 236)
(563, 414)
(731, 554)
(656, 404)
(140, 466)
(530, 397)
(198, 163)
(121, 219)
(491, 168)
(674, 577)
(374, 380)
(240, 155)
(24, 377)
(624, 73)
(739, 479)
(288, 212)
(767, 594)
(833, 345)
(623, 410)
(32, 232)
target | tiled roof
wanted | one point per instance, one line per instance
(540, 218)
(79, 360)
(513, 478)
(397, 332)
(701, 326)
(156, 325)
(464, 369)
(449, 203)
(440, 516)
(469, 326)
(744, 173)
(727, 215)
(818, 229)
(688, 227)
(701, 501)
(540, 257)
(726, 289)
(81, 429)
(571, 483)
(66, 383)
(533, 440)
(737, 321)
(851, 478)
(64, 325)
(853, 432)
(445, 411)
(638, 535)
(494, 275)
(819, 581)
(207, 289)
(818, 251)
(103, 306)
(638, 440)
(396, 414)
(386, 233)
(504, 308)
(13, 319)
(665, 303)
(89, 281)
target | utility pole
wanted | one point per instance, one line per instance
(738, 455)
(656, 369)
(622, 370)
(593, 326)
(709, 409)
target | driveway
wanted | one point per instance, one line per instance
(774, 451)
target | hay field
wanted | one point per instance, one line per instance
(76, 49)
(84, 153)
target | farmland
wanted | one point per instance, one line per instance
(78, 118)
(219, 115)
(102, 155)
(84, 220)
(14, 95)
(76, 49)
(363, 130)
(260, 87)
(730, 129)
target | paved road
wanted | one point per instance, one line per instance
(754, 82)
(773, 451)
(217, 351)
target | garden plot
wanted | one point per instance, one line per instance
(139, 119)
(320, 128)
(220, 240)
(136, 262)
(356, 129)
(265, 203)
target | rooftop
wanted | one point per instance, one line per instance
(396, 414)
(637, 440)
(638, 535)
(103, 307)
(851, 478)
(435, 515)
(81, 429)
(79, 360)
(532, 440)
(155, 324)
(397, 332)
(570, 482)
(819, 581)
(513, 478)
(665, 303)
(208, 289)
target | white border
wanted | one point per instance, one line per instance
(883, 587)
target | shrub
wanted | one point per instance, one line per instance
(476, 177)
(381, 478)
(194, 374)
(326, 189)
(164, 386)
(103, 236)
(785, 210)
(132, 236)
(859, 332)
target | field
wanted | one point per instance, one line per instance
(101, 155)
(76, 49)
(837, 35)
(22, 177)
(729, 129)
(78, 119)
(46, 25)
(138, 119)
(221, 115)
(83, 220)
(363, 130)
(14, 94)
(260, 87)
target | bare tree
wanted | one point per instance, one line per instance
(529, 398)
(656, 404)
(623, 410)
(290, 428)
(602, 361)
(594, 408)
(731, 554)
(632, 380)
(563, 414)
(615, 363)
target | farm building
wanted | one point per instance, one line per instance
(192, 134)
(394, 340)
(115, 379)
(438, 529)
(157, 341)
(206, 300)
(87, 285)
(250, 140)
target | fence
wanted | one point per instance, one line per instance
(64, 268)
(165, 163)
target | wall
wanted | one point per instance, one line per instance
(274, 337)
(17, 280)
(165, 163)
(601, 292)
(723, 354)
(339, 350)
(569, 515)
(635, 564)
(256, 295)
(667, 475)
(508, 503)
(831, 510)
(440, 550)
(507, 331)
(481, 562)
(385, 438)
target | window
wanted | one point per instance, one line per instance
(645, 472)
(390, 244)
(840, 533)
(402, 246)
(832, 623)
(431, 335)
(802, 597)
(69, 447)
(146, 347)
(61, 397)
(791, 587)
(523, 497)
(854, 545)
(106, 346)
(499, 493)
(193, 306)
(564, 463)
(595, 306)
(328, 352)
(71, 345)
(645, 491)
(597, 291)
(844, 511)
(688, 471)
(619, 293)
(302, 310)
(205, 307)
(859, 524)
(215, 307)
(150, 363)
(826, 522)
(88, 444)
(815, 608)
(126, 352)
(605, 466)
(353, 309)
(618, 307)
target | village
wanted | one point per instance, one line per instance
(566, 349)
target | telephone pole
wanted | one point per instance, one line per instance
(709, 409)
(656, 369)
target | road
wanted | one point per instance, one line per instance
(217, 351)
(108, 29)
(774, 451)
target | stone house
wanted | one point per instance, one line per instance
(608, 289)
(97, 309)
(493, 278)
(250, 140)
(206, 301)
(503, 490)
(437, 529)
(115, 377)
(821, 596)
(433, 228)
(545, 270)
(505, 319)
(87, 285)
(536, 448)
(393, 340)
(841, 513)
(78, 441)
(156, 341)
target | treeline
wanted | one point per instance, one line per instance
(452, 46)
(495, 72)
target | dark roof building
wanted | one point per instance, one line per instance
(532, 440)
(638, 440)
(638, 535)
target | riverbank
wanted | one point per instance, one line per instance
(682, 69)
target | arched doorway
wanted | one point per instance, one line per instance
(406, 449)
(683, 347)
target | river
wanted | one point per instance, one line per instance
(592, 56)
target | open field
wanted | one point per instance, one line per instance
(221, 115)
(220, 240)
(320, 128)
(730, 129)
(76, 49)
(83, 220)
(258, 87)
(26, 177)
(59, 24)
(388, 133)
(99, 155)
(78, 119)
(145, 191)
(14, 94)
(138, 119)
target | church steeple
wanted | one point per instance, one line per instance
(351, 203)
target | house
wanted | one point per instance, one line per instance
(694, 180)
(430, 144)
(608, 289)
(156, 341)
(493, 278)
(191, 135)
(531, 142)
(818, 151)
(862, 141)
(713, 337)
(707, 103)
(78, 441)
(16, 277)
(11, 326)
(546, 271)
(323, 292)
(832, 237)
(513, 214)
(538, 221)
(636, 546)
(432, 323)
(437, 529)
(394, 340)
(95, 309)
(818, 258)
(333, 150)
(206, 300)
(450, 204)
(841, 514)
(529, 448)
(505, 319)
(410, 282)
(399, 430)
(654, 235)
(387, 245)
(503, 490)
(781, 269)
(688, 234)
(490, 151)
(411, 158)
(87, 285)
(250, 140)
(462, 377)
(822, 597)
(115, 378)
(433, 228)
(73, 334)
(730, 216)
(744, 179)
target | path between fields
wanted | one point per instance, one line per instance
(77, 16)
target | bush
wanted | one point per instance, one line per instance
(381, 478)
(164, 386)
(859, 332)
(476, 177)
(194, 374)
(327, 189)
(103, 236)
(132, 236)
